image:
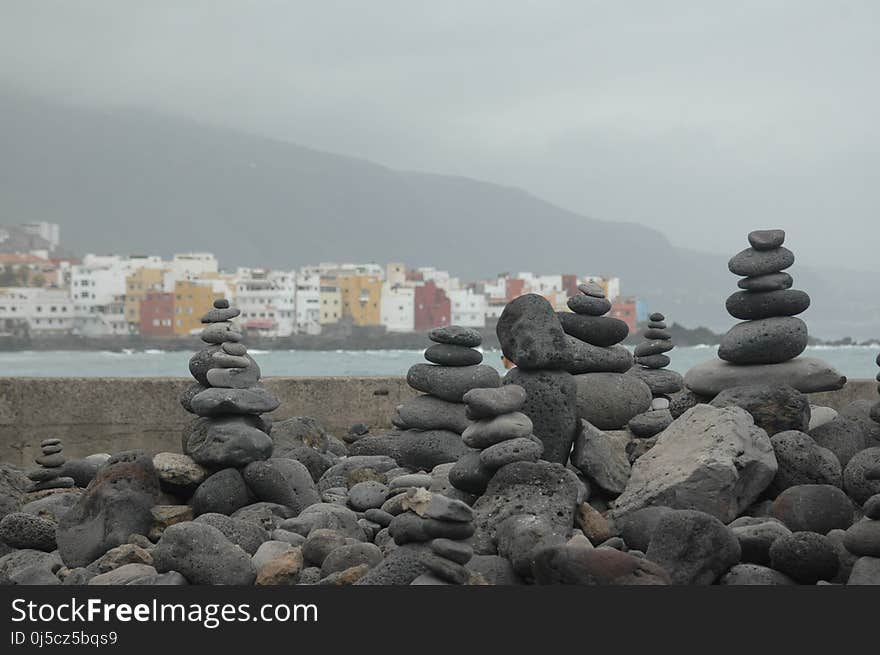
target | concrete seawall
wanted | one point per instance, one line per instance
(96, 415)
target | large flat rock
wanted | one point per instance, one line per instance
(806, 374)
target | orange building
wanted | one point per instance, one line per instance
(191, 301)
(137, 285)
(361, 298)
(626, 311)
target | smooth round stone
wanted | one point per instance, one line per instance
(411, 481)
(217, 333)
(50, 461)
(652, 334)
(232, 348)
(455, 551)
(653, 361)
(488, 403)
(766, 239)
(468, 474)
(451, 382)
(871, 508)
(609, 400)
(591, 289)
(754, 574)
(220, 315)
(512, 450)
(595, 330)
(586, 358)
(769, 282)
(221, 303)
(42, 474)
(235, 378)
(223, 442)
(657, 325)
(20, 530)
(50, 442)
(449, 355)
(660, 403)
(807, 557)
(857, 484)
(55, 483)
(751, 262)
(367, 495)
(863, 538)
(51, 450)
(806, 374)
(648, 348)
(225, 360)
(660, 382)
(488, 432)
(589, 305)
(218, 401)
(427, 412)
(650, 423)
(765, 341)
(656, 317)
(455, 335)
(751, 305)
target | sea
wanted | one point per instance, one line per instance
(853, 361)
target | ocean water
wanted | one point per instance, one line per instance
(852, 361)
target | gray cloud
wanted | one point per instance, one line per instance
(703, 119)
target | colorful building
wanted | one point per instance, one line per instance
(432, 307)
(361, 298)
(137, 285)
(156, 314)
(191, 300)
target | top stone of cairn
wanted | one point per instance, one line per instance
(766, 239)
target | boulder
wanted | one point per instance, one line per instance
(806, 557)
(842, 436)
(813, 508)
(531, 335)
(602, 461)
(710, 459)
(802, 461)
(693, 547)
(116, 505)
(203, 555)
(576, 565)
(856, 481)
(806, 374)
(451, 382)
(283, 481)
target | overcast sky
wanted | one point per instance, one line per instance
(704, 119)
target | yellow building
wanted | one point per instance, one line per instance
(137, 286)
(191, 301)
(330, 301)
(361, 298)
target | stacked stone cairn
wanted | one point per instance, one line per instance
(432, 423)
(651, 362)
(436, 529)
(500, 434)
(765, 348)
(607, 399)
(50, 475)
(227, 398)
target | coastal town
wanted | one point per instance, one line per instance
(46, 292)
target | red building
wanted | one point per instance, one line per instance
(432, 307)
(157, 314)
(626, 311)
(570, 285)
(514, 287)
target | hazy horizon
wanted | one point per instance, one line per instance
(703, 123)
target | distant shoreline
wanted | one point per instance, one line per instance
(354, 339)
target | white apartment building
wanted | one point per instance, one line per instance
(308, 302)
(333, 270)
(395, 273)
(397, 310)
(193, 265)
(51, 232)
(44, 311)
(267, 300)
(468, 308)
(442, 279)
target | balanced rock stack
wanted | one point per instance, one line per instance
(436, 528)
(50, 475)
(432, 423)
(765, 347)
(499, 435)
(651, 362)
(227, 397)
(606, 398)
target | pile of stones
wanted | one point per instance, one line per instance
(651, 362)
(765, 347)
(500, 434)
(431, 424)
(227, 398)
(50, 475)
